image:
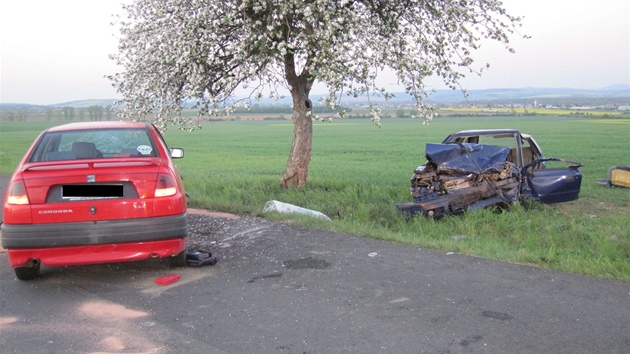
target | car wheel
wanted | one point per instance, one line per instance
(178, 260)
(27, 273)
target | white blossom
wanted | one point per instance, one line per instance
(174, 53)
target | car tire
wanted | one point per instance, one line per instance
(27, 273)
(178, 260)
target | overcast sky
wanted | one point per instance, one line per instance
(57, 51)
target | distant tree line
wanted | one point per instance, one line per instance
(66, 113)
(563, 102)
(287, 109)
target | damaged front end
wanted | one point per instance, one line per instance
(462, 177)
(467, 177)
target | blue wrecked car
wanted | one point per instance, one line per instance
(477, 169)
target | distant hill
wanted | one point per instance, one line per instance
(86, 103)
(18, 106)
(616, 93)
(75, 104)
(619, 94)
(531, 93)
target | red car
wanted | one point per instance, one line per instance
(98, 192)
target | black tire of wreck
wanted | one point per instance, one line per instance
(27, 273)
(178, 260)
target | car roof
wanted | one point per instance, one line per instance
(485, 132)
(474, 132)
(99, 125)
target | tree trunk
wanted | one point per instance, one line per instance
(300, 156)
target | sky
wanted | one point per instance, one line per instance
(58, 51)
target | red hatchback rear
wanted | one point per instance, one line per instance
(99, 192)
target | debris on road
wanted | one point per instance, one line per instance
(285, 208)
(167, 279)
(201, 258)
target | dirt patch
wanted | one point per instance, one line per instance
(7, 320)
(223, 233)
(112, 312)
(212, 213)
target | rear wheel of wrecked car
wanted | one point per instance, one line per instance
(178, 260)
(27, 273)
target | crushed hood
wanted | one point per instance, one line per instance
(467, 158)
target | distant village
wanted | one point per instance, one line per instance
(506, 108)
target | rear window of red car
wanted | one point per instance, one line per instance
(93, 144)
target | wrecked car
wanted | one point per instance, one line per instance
(476, 169)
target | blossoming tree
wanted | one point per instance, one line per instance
(177, 52)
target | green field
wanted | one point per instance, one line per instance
(359, 172)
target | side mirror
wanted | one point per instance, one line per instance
(177, 153)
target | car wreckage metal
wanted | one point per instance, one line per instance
(469, 171)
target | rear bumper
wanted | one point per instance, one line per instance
(95, 254)
(31, 236)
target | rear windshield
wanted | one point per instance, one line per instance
(506, 140)
(94, 144)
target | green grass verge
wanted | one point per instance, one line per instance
(359, 172)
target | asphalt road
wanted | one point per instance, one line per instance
(279, 288)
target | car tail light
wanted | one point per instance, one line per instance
(165, 186)
(17, 194)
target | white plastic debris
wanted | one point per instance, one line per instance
(372, 254)
(285, 208)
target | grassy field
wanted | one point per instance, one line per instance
(359, 172)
